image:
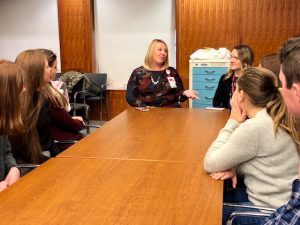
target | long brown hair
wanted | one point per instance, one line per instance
(50, 55)
(26, 146)
(262, 88)
(54, 97)
(12, 84)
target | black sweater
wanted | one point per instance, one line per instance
(223, 93)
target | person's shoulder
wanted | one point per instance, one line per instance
(139, 69)
(262, 122)
(263, 116)
(224, 78)
(171, 69)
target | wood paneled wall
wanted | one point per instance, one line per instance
(262, 24)
(76, 35)
(266, 24)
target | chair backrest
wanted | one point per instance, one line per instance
(271, 62)
(58, 75)
(98, 83)
(78, 88)
(71, 78)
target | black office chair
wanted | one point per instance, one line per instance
(77, 98)
(259, 215)
(97, 91)
(58, 75)
(75, 82)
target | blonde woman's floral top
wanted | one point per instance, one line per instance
(155, 88)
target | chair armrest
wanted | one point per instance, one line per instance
(250, 207)
(65, 142)
(246, 214)
(103, 85)
(79, 92)
(93, 126)
(29, 165)
(262, 212)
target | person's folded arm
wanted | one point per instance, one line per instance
(60, 117)
(235, 144)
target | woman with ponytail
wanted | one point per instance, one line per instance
(263, 148)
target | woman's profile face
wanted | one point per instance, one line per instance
(160, 53)
(235, 62)
(53, 70)
(47, 72)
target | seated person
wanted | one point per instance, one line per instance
(12, 86)
(257, 146)
(290, 78)
(36, 142)
(156, 83)
(241, 57)
(59, 85)
(63, 126)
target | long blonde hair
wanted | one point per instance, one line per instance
(12, 84)
(262, 88)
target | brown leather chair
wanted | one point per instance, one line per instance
(271, 62)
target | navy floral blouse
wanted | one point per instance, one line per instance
(155, 88)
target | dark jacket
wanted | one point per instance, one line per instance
(7, 161)
(223, 93)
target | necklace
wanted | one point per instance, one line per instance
(154, 82)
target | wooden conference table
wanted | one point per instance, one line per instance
(139, 185)
(179, 135)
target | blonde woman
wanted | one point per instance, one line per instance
(156, 83)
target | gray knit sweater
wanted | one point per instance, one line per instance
(268, 161)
